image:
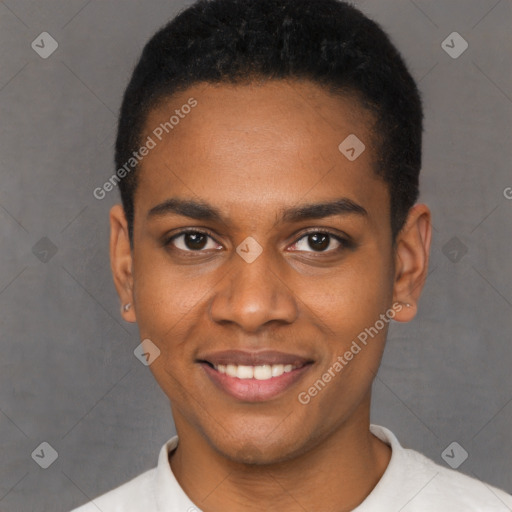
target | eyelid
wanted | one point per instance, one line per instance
(202, 231)
(335, 234)
(344, 240)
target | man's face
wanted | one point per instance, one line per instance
(252, 153)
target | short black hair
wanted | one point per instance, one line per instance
(328, 42)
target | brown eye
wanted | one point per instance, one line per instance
(320, 242)
(192, 241)
(195, 241)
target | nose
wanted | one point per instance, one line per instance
(253, 295)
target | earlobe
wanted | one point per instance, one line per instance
(411, 260)
(125, 308)
(121, 261)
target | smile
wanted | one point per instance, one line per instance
(261, 372)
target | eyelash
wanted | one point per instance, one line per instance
(345, 243)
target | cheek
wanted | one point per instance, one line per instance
(166, 294)
(353, 295)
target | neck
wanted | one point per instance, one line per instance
(336, 475)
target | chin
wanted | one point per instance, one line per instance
(257, 450)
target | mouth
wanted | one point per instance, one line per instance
(254, 377)
(260, 372)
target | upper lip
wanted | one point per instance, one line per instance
(251, 358)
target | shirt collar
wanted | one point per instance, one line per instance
(400, 482)
(170, 497)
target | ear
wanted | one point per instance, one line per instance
(121, 260)
(412, 250)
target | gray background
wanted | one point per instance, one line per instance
(68, 375)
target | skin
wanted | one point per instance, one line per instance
(251, 151)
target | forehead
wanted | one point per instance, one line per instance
(279, 140)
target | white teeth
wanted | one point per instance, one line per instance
(261, 372)
(231, 370)
(277, 369)
(245, 372)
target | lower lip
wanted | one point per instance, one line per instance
(254, 390)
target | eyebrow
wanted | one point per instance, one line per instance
(203, 211)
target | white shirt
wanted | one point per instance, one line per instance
(411, 483)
